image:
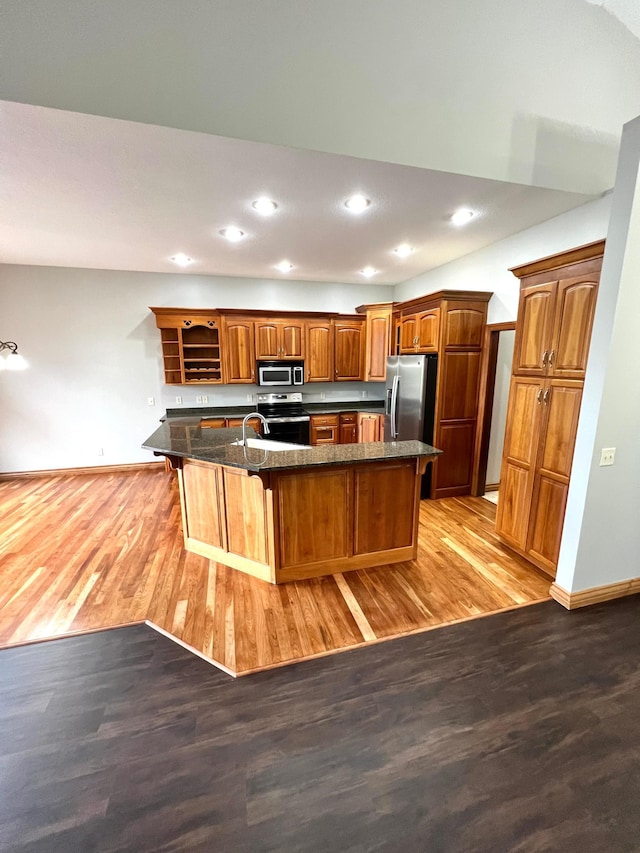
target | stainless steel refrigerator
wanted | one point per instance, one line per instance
(410, 402)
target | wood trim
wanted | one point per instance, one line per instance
(192, 649)
(346, 564)
(552, 262)
(488, 365)
(412, 305)
(90, 469)
(491, 487)
(594, 595)
(376, 306)
(228, 558)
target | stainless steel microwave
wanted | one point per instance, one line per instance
(280, 372)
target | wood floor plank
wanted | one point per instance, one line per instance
(85, 552)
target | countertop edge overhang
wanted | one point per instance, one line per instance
(189, 441)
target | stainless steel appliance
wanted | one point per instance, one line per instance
(280, 372)
(287, 420)
(411, 402)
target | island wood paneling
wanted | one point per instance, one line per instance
(93, 551)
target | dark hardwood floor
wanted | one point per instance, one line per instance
(517, 732)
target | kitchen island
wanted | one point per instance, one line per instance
(284, 515)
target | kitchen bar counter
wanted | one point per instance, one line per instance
(283, 515)
(185, 439)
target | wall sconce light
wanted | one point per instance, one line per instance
(10, 358)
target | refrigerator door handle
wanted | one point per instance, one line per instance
(389, 398)
(394, 406)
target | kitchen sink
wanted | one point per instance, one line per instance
(265, 444)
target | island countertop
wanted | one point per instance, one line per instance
(188, 440)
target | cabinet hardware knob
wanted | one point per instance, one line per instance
(544, 357)
(545, 399)
(539, 395)
(187, 322)
(551, 355)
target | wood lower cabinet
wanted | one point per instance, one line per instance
(348, 428)
(324, 429)
(550, 358)
(370, 427)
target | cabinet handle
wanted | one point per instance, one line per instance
(545, 399)
(539, 395)
(550, 359)
(544, 357)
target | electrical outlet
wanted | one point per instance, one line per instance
(364, 395)
(100, 451)
(178, 401)
(205, 399)
(322, 395)
(249, 398)
(607, 456)
(198, 399)
(150, 401)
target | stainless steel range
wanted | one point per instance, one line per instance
(287, 420)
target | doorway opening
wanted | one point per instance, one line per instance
(497, 358)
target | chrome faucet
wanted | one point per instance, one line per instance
(244, 425)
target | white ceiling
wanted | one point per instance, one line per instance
(88, 191)
(627, 12)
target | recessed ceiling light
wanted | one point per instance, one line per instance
(367, 272)
(182, 260)
(357, 203)
(403, 250)
(231, 233)
(462, 216)
(284, 266)
(264, 206)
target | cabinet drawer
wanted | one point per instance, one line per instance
(324, 420)
(350, 418)
(212, 423)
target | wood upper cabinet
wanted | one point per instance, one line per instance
(279, 339)
(319, 351)
(552, 344)
(408, 334)
(349, 350)
(239, 351)
(574, 311)
(420, 332)
(378, 333)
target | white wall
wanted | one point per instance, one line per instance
(601, 540)
(94, 355)
(488, 269)
(506, 340)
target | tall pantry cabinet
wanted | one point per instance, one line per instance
(555, 317)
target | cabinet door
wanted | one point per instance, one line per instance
(378, 337)
(267, 339)
(428, 328)
(292, 339)
(524, 418)
(324, 429)
(368, 427)
(533, 329)
(561, 409)
(408, 334)
(575, 307)
(240, 360)
(348, 433)
(349, 350)
(319, 351)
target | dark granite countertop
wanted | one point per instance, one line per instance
(197, 412)
(177, 438)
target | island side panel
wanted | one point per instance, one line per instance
(384, 507)
(227, 516)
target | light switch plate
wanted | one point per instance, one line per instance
(150, 401)
(178, 401)
(607, 456)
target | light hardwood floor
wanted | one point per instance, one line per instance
(85, 552)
